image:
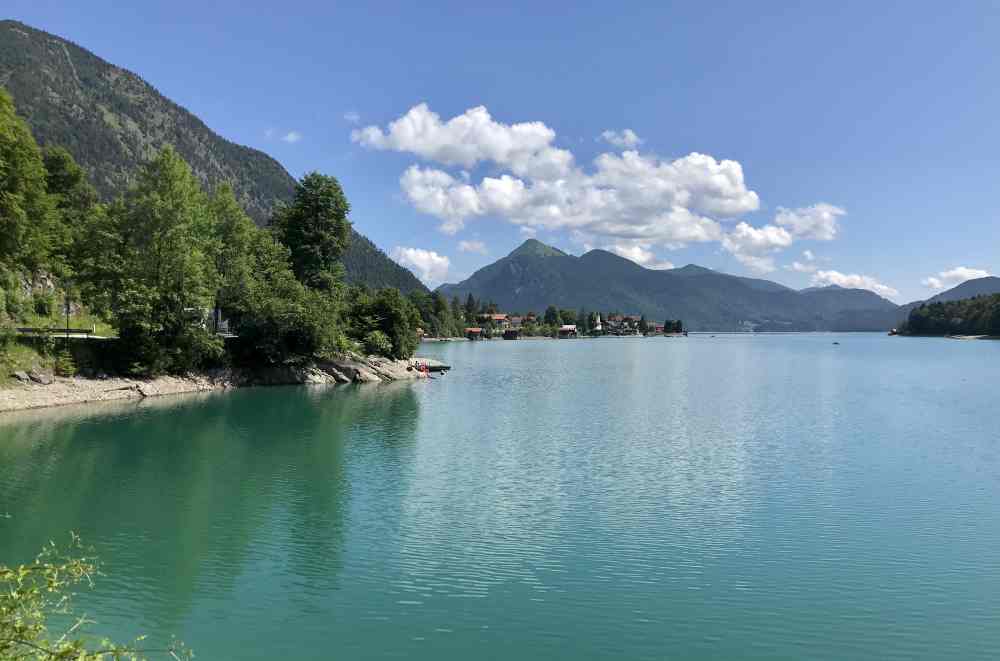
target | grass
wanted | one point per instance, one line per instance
(19, 357)
(83, 319)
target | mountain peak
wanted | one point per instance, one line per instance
(535, 248)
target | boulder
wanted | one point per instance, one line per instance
(22, 377)
(40, 377)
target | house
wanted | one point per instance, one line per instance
(567, 330)
(658, 328)
(512, 334)
(516, 322)
(597, 324)
(474, 333)
(499, 320)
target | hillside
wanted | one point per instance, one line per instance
(111, 120)
(978, 315)
(535, 276)
(978, 287)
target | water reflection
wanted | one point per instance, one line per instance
(185, 498)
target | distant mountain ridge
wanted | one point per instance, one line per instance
(535, 275)
(111, 120)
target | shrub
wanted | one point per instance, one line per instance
(377, 342)
(44, 304)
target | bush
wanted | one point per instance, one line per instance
(44, 304)
(377, 342)
(38, 595)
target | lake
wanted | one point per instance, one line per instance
(737, 496)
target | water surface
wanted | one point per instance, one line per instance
(739, 496)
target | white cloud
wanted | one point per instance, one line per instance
(953, 277)
(624, 198)
(292, 137)
(529, 232)
(753, 246)
(806, 266)
(429, 266)
(472, 246)
(470, 138)
(802, 267)
(352, 116)
(853, 281)
(819, 221)
(639, 253)
(626, 139)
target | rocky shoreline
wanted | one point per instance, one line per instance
(42, 390)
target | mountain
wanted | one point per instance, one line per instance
(535, 275)
(978, 287)
(111, 120)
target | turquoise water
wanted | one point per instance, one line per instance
(768, 497)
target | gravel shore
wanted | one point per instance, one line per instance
(78, 390)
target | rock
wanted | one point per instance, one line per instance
(22, 377)
(40, 377)
(365, 375)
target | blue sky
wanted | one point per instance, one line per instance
(874, 126)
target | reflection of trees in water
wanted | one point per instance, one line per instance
(185, 497)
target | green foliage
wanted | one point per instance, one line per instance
(389, 312)
(315, 229)
(64, 364)
(378, 343)
(279, 320)
(154, 271)
(34, 594)
(28, 217)
(979, 315)
(438, 318)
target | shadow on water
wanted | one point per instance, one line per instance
(184, 497)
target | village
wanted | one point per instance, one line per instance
(567, 324)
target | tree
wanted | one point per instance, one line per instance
(643, 326)
(278, 319)
(567, 316)
(316, 231)
(388, 312)
(471, 308)
(158, 276)
(28, 215)
(75, 201)
(551, 317)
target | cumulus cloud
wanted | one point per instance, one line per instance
(352, 117)
(620, 199)
(953, 277)
(808, 254)
(470, 138)
(853, 281)
(292, 137)
(472, 246)
(429, 266)
(626, 139)
(639, 253)
(819, 221)
(753, 246)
